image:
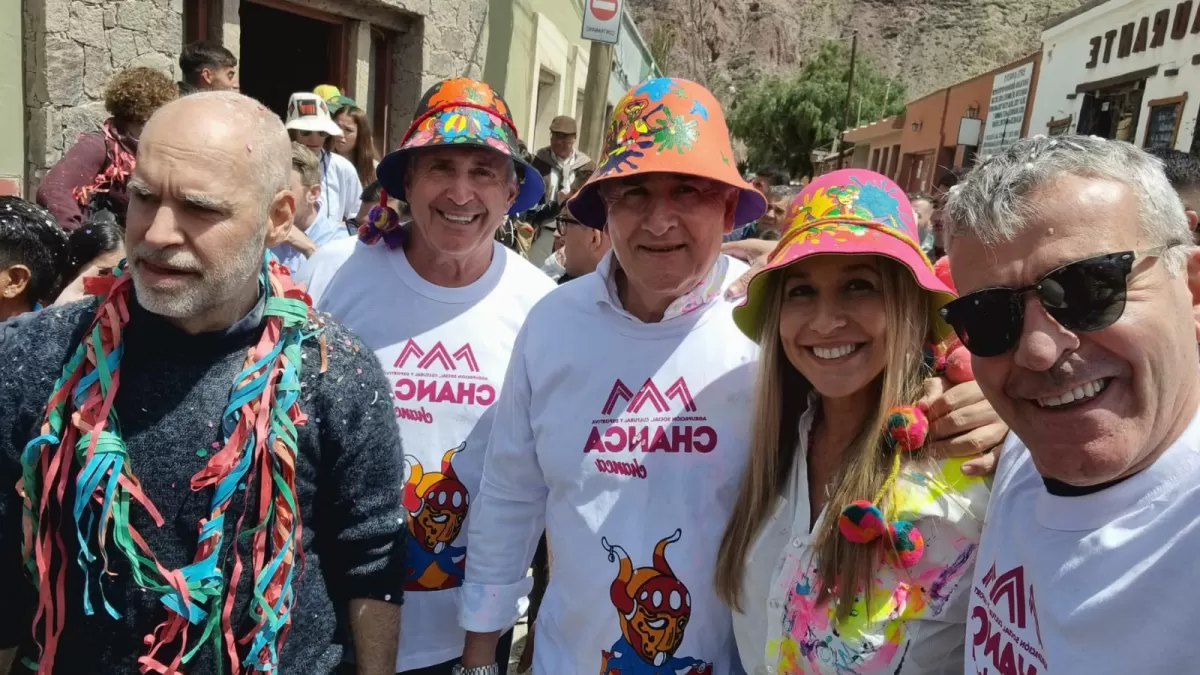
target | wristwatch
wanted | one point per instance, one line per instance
(478, 670)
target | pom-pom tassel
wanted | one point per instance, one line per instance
(862, 521)
(906, 428)
(383, 223)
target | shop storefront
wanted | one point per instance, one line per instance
(1122, 69)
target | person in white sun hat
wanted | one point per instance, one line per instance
(309, 123)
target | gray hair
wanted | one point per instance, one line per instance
(992, 201)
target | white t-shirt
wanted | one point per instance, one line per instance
(627, 441)
(1096, 583)
(341, 190)
(916, 622)
(445, 351)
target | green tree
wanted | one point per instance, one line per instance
(783, 118)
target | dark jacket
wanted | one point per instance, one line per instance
(78, 168)
(547, 164)
(173, 388)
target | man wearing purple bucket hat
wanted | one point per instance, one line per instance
(440, 302)
(621, 430)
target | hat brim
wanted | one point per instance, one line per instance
(588, 208)
(390, 173)
(310, 124)
(749, 314)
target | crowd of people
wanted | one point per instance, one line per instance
(273, 402)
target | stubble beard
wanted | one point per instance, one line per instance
(209, 292)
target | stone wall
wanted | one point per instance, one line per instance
(449, 40)
(72, 48)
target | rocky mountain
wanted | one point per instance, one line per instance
(927, 44)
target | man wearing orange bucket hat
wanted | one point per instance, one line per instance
(621, 430)
(439, 301)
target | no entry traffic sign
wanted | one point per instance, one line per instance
(602, 20)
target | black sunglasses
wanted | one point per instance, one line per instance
(1086, 295)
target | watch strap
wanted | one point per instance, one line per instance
(492, 669)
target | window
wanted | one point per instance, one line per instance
(1162, 127)
(547, 108)
(1059, 127)
(379, 96)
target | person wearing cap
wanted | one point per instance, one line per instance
(835, 519)
(327, 92)
(310, 124)
(622, 426)
(440, 302)
(558, 163)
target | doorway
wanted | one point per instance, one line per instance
(1112, 112)
(286, 49)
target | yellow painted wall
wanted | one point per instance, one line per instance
(12, 100)
(526, 37)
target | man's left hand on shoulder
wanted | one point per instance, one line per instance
(962, 423)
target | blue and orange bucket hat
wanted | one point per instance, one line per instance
(667, 125)
(461, 112)
(847, 212)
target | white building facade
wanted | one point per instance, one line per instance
(1122, 69)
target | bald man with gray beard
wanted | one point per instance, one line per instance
(245, 486)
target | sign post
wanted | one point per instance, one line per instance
(601, 25)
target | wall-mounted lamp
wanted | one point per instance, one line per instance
(916, 126)
(1071, 96)
(1171, 72)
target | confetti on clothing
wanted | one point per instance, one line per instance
(259, 430)
(915, 615)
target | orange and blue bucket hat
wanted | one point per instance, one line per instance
(461, 112)
(667, 125)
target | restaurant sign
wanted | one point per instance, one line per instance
(1147, 33)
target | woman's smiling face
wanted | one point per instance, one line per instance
(832, 321)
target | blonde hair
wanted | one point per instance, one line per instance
(781, 397)
(305, 163)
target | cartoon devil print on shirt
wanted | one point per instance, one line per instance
(437, 504)
(653, 607)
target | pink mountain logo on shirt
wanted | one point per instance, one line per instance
(998, 627)
(438, 356)
(650, 419)
(436, 375)
(649, 393)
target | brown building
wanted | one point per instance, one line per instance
(948, 128)
(877, 145)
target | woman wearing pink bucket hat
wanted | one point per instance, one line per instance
(848, 546)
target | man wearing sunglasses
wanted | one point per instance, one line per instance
(1072, 256)
(583, 247)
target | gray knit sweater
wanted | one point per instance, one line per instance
(172, 391)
